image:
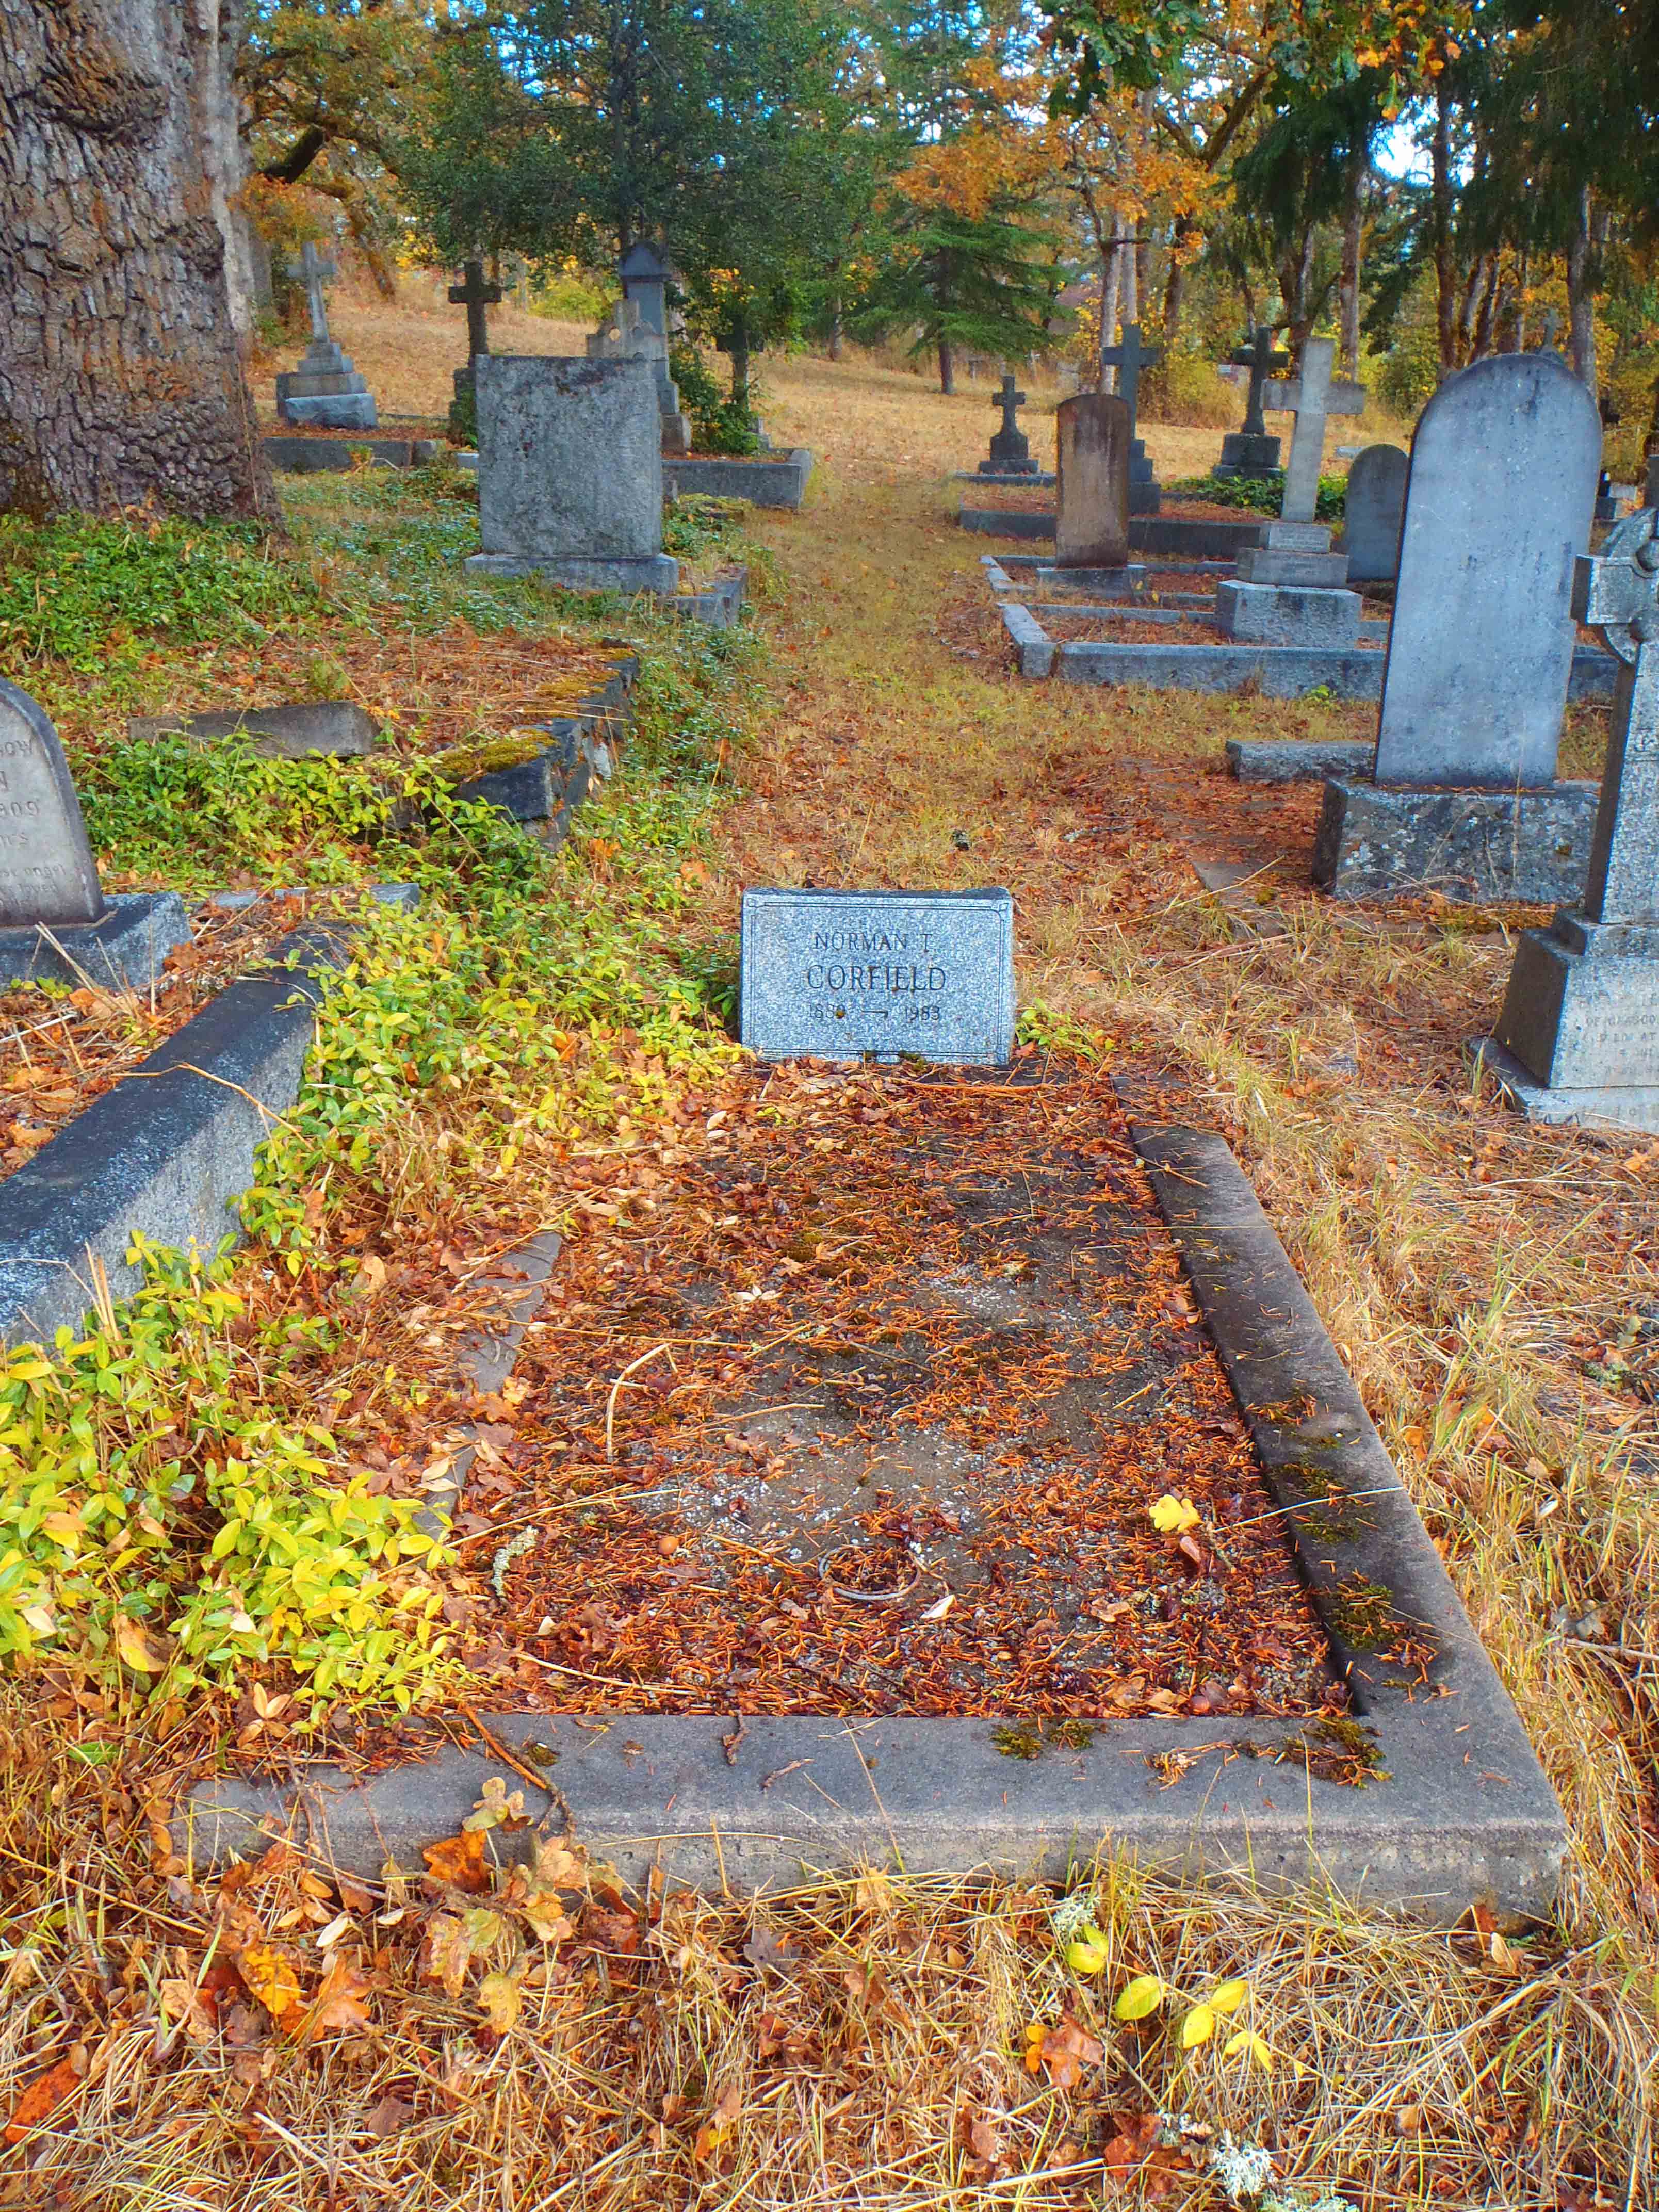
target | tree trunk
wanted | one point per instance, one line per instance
(1445, 253)
(1129, 300)
(835, 331)
(739, 352)
(1492, 305)
(1175, 285)
(120, 379)
(1353, 239)
(947, 368)
(1581, 295)
(1110, 277)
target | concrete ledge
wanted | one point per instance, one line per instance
(1006, 522)
(721, 605)
(166, 1152)
(299, 729)
(1374, 841)
(1298, 760)
(1278, 671)
(779, 482)
(1035, 647)
(1040, 479)
(124, 950)
(547, 787)
(306, 457)
(1461, 1811)
(654, 573)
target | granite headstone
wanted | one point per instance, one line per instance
(570, 482)
(1503, 474)
(832, 975)
(1578, 1035)
(1376, 503)
(54, 918)
(1093, 437)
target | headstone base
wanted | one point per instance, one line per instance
(1270, 614)
(657, 573)
(1479, 847)
(1629, 1106)
(1580, 1009)
(1125, 583)
(336, 411)
(1244, 454)
(998, 466)
(124, 950)
(1260, 564)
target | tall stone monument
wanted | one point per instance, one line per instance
(1311, 397)
(1011, 449)
(1128, 358)
(1092, 438)
(1578, 1037)
(54, 919)
(1376, 507)
(570, 472)
(326, 391)
(1251, 452)
(639, 330)
(1464, 798)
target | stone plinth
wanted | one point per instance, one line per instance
(835, 974)
(1244, 453)
(570, 476)
(1093, 436)
(326, 391)
(1484, 847)
(1284, 614)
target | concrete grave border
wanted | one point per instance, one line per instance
(549, 785)
(1173, 536)
(1461, 1811)
(309, 457)
(165, 1152)
(778, 480)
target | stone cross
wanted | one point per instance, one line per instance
(1311, 397)
(475, 295)
(1260, 360)
(1130, 359)
(1552, 327)
(1618, 594)
(311, 269)
(1011, 402)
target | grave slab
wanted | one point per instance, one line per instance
(1287, 614)
(1262, 565)
(321, 455)
(1455, 1809)
(297, 730)
(835, 974)
(1479, 846)
(1298, 760)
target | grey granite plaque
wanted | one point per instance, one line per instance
(47, 872)
(835, 974)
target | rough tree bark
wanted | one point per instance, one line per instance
(1353, 240)
(1445, 244)
(120, 378)
(1581, 293)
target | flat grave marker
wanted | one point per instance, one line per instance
(832, 975)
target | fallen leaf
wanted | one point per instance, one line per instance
(458, 1862)
(501, 2001)
(137, 1648)
(1247, 2042)
(1065, 2051)
(1198, 2026)
(42, 2097)
(764, 1949)
(338, 2008)
(721, 2124)
(182, 2001)
(1171, 1516)
(448, 1953)
(1139, 1997)
(270, 1978)
(389, 2117)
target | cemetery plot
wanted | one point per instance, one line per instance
(875, 1408)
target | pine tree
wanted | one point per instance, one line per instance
(965, 282)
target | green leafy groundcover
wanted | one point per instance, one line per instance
(1264, 494)
(167, 1513)
(87, 590)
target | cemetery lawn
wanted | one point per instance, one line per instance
(515, 1058)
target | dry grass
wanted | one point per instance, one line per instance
(1491, 1285)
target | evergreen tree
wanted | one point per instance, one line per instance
(965, 282)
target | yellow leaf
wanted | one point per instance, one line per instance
(1247, 2040)
(1036, 2035)
(1172, 1516)
(134, 1646)
(1089, 1954)
(1227, 1997)
(1198, 2026)
(64, 1528)
(1139, 1997)
(500, 2000)
(269, 1979)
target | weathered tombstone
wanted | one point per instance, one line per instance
(1578, 1037)
(1011, 449)
(1128, 359)
(325, 390)
(639, 330)
(835, 974)
(1376, 506)
(304, 729)
(54, 918)
(1251, 452)
(570, 472)
(475, 294)
(1311, 397)
(1092, 441)
(1463, 798)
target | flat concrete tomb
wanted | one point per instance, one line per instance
(1413, 1787)
(302, 729)
(838, 975)
(774, 480)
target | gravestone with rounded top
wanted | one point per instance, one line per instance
(1502, 475)
(54, 918)
(1376, 503)
(1578, 1037)
(570, 482)
(1093, 434)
